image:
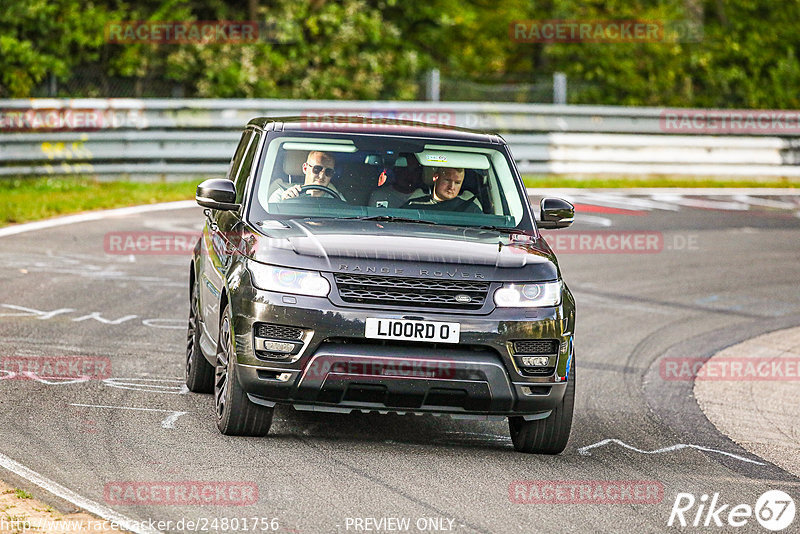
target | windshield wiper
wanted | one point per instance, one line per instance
(505, 229)
(390, 218)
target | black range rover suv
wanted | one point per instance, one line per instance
(380, 266)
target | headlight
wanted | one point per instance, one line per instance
(272, 278)
(528, 295)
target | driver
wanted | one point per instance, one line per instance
(318, 170)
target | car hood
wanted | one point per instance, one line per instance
(405, 249)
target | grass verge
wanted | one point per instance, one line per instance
(603, 182)
(30, 199)
(21, 513)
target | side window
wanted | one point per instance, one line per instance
(237, 156)
(244, 169)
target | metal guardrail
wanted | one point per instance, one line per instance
(173, 138)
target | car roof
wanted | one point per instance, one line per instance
(374, 126)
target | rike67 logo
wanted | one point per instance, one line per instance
(774, 510)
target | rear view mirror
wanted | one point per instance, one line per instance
(556, 213)
(217, 194)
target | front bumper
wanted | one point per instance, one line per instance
(337, 369)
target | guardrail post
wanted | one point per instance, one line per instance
(433, 85)
(559, 88)
(52, 85)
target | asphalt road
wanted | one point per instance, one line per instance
(719, 277)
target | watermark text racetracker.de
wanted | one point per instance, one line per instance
(618, 242)
(326, 118)
(586, 492)
(185, 524)
(388, 118)
(561, 241)
(150, 243)
(69, 119)
(55, 367)
(181, 493)
(324, 369)
(604, 31)
(730, 369)
(183, 32)
(733, 121)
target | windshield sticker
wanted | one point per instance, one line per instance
(439, 158)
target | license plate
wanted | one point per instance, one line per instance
(405, 329)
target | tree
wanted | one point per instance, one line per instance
(39, 37)
(745, 56)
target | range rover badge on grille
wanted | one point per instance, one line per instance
(463, 298)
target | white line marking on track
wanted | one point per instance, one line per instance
(104, 512)
(56, 489)
(54, 380)
(700, 203)
(147, 385)
(177, 324)
(594, 219)
(766, 202)
(171, 324)
(630, 202)
(693, 191)
(585, 450)
(94, 216)
(613, 200)
(30, 311)
(167, 422)
(97, 317)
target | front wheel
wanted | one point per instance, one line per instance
(549, 435)
(236, 415)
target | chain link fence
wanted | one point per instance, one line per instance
(89, 82)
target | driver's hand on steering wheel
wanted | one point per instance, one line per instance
(292, 192)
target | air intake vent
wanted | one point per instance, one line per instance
(536, 346)
(541, 371)
(276, 331)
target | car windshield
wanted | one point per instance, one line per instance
(386, 178)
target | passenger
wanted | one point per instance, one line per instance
(318, 169)
(397, 192)
(447, 194)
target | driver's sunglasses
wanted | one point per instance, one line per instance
(316, 169)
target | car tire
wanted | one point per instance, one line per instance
(549, 435)
(199, 373)
(236, 415)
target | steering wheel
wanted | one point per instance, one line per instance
(322, 188)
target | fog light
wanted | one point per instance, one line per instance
(534, 361)
(284, 377)
(278, 346)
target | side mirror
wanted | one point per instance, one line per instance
(217, 194)
(556, 213)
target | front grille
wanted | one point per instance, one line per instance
(276, 331)
(419, 292)
(536, 346)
